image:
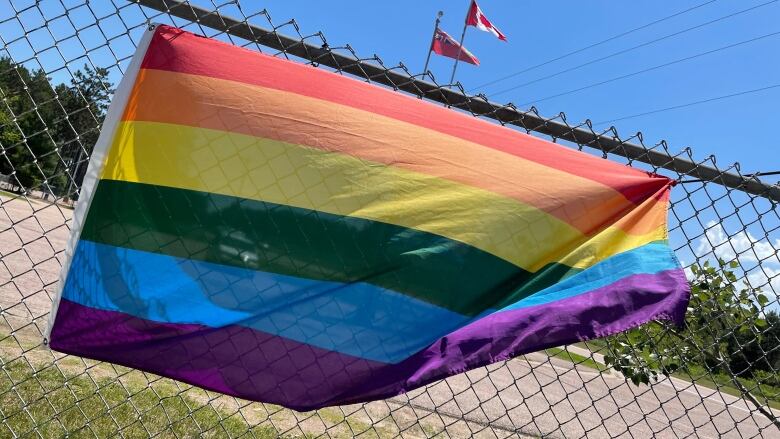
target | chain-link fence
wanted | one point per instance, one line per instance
(718, 376)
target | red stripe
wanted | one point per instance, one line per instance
(179, 51)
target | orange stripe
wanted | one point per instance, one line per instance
(175, 50)
(647, 216)
(206, 102)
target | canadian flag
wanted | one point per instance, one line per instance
(477, 19)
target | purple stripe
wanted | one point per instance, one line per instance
(258, 366)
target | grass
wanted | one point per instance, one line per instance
(91, 399)
(765, 394)
(597, 342)
(48, 403)
(9, 194)
(577, 359)
(12, 196)
(37, 398)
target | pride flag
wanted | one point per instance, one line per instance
(281, 233)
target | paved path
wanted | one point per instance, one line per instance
(683, 386)
(539, 395)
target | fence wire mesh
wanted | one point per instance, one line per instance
(59, 63)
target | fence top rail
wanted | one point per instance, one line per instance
(583, 134)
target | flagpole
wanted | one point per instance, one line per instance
(430, 47)
(460, 49)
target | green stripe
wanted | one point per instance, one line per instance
(310, 244)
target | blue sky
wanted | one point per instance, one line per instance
(736, 129)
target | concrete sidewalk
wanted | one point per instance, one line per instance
(682, 385)
(538, 395)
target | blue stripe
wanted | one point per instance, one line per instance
(647, 259)
(357, 319)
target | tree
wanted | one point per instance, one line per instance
(9, 138)
(751, 353)
(719, 315)
(55, 127)
(28, 98)
(85, 104)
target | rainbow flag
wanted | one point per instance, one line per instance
(282, 233)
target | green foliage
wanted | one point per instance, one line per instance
(47, 131)
(9, 136)
(85, 102)
(719, 315)
(574, 358)
(21, 90)
(765, 393)
(757, 355)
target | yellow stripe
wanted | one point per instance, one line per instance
(614, 239)
(224, 105)
(278, 172)
(610, 241)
